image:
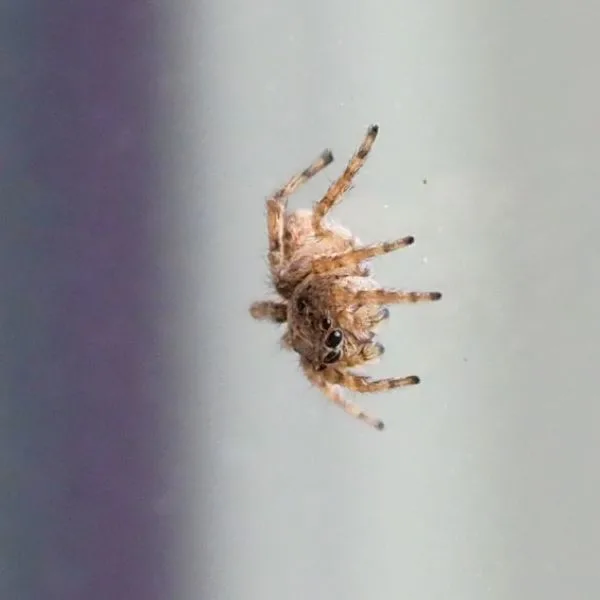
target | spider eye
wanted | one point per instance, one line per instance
(332, 357)
(334, 339)
(301, 305)
(325, 323)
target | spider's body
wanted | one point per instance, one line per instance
(329, 300)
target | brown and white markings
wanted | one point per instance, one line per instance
(328, 299)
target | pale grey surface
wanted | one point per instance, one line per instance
(485, 483)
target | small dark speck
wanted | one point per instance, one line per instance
(424, 181)
(465, 359)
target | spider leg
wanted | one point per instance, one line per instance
(383, 296)
(365, 385)
(339, 187)
(277, 204)
(269, 310)
(355, 256)
(334, 394)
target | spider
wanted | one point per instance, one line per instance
(328, 297)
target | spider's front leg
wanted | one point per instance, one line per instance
(365, 385)
(334, 394)
(277, 204)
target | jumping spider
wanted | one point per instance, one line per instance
(329, 300)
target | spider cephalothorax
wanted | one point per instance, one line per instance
(329, 300)
(327, 328)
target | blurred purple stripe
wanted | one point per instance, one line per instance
(85, 376)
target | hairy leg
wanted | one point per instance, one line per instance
(335, 395)
(365, 385)
(355, 256)
(269, 310)
(276, 206)
(339, 187)
(383, 296)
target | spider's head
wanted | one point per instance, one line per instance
(326, 333)
(319, 338)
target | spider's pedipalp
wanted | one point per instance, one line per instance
(358, 255)
(369, 353)
(339, 187)
(383, 315)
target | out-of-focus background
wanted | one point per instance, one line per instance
(155, 442)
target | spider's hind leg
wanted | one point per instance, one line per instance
(339, 187)
(277, 204)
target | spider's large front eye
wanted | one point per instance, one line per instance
(334, 339)
(332, 357)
